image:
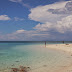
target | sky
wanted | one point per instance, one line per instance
(35, 20)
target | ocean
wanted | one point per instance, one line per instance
(33, 55)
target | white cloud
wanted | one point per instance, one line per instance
(20, 2)
(42, 14)
(24, 35)
(18, 19)
(16, 0)
(4, 17)
(20, 31)
(67, 9)
(54, 17)
(65, 25)
(44, 27)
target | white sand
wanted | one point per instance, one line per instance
(66, 48)
(63, 47)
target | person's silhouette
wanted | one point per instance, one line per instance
(45, 43)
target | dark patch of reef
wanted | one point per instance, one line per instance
(21, 69)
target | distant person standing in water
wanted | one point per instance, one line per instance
(45, 43)
(63, 42)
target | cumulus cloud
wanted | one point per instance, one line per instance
(65, 25)
(66, 10)
(24, 35)
(41, 13)
(43, 27)
(54, 17)
(4, 17)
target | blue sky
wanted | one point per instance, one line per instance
(35, 20)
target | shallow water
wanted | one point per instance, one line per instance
(33, 55)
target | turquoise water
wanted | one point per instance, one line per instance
(33, 55)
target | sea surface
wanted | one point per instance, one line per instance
(33, 55)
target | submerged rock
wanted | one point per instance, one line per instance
(44, 65)
(14, 69)
(24, 69)
(20, 69)
(16, 61)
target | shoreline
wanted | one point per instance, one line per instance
(58, 63)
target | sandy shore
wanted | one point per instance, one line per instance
(66, 48)
(63, 47)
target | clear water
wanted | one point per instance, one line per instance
(33, 55)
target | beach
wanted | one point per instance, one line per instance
(52, 58)
(63, 47)
(67, 48)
